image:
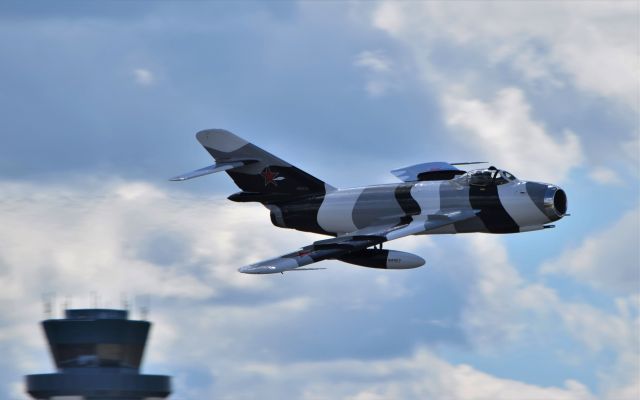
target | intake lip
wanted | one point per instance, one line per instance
(555, 203)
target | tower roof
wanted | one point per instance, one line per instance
(97, 351)
(95, 313)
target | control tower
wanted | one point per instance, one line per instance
(97, 353)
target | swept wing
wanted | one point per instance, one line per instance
(343, 246)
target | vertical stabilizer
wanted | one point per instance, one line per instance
(260, 175)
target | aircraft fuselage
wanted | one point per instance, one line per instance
(516, 206)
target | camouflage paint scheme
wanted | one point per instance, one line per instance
(435, 198)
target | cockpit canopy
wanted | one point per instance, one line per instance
(486, 177)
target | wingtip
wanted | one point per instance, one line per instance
(220, 140)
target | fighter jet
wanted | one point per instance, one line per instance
(433, 198)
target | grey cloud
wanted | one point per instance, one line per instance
(607, 260)
(212, 321)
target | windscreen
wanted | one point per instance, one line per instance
(486, 177)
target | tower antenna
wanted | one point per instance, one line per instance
(46, 301)
(144, 307)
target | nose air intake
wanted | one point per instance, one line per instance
(555, 202)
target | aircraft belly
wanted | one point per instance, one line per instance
(520, 206)
(335, 213)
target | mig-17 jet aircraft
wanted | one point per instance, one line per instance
(433, 198)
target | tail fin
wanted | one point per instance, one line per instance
(261, 175)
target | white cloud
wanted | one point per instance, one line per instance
(379, 72)
(373, 60)
(605, 176)
(594, 45)
(618, 332)
(559, 51)
(501, 306)
(115, 229)
(143, 77)
(631, 150)
(609, 259)
(503, 132)
(115, 236)
(490, 316)
(422, 375)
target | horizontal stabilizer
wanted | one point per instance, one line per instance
(217, 167)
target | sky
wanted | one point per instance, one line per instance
(100, 103)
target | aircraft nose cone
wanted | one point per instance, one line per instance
(555, 202)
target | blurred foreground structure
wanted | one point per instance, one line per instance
(97, 353)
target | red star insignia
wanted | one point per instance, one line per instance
(269, 177)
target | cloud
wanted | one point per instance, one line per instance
(575, 62)
(278, 332)
(379, 71)
(503, 132)
(501, 307)
(617, 332)
(120, 228)
(605, 176)
(608, 260)
(113, 237)
(116, 237)
(631, 150)
(143, 77)
(373, 60)
(499, 302)
(585, 44)
(419, 376)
